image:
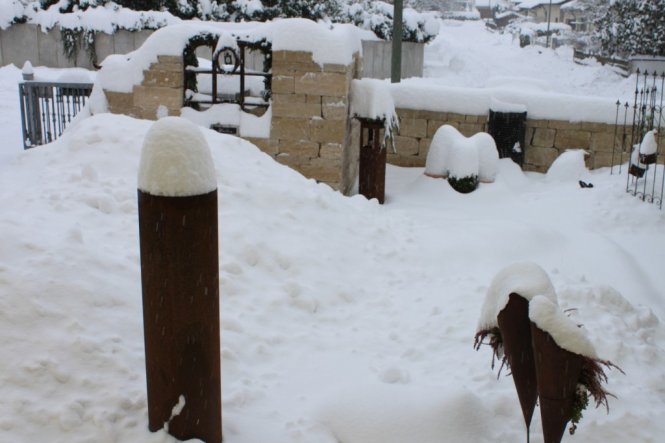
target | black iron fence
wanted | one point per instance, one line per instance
(639, 139)
(47, 108)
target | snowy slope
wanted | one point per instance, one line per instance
(342, 320)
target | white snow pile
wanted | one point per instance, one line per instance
(565, 332)
(341, 319)
(649, 144)
(526, 279)
(569, 166)
(453, 154)
(176, 160)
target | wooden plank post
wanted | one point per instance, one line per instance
(180, 275)
(372, 168)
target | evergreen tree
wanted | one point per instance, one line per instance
(633, 27)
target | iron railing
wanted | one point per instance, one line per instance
(47, 108)
(646, 173)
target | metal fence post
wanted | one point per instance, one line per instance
(180, 277)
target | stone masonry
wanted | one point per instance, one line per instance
(162, 85)
(310, 118)
(545, 139)
(310, 129)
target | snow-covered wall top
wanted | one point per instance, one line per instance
(419, 94)
(328, 44)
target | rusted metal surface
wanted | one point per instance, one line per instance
(558, 372)
(515, 328)
(180, 276)
(372, 169)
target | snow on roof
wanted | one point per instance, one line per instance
(328, 44)
(526, 279)
(566, 333)
(423, 95)
(176, 160)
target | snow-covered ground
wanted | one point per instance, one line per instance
(342, 320)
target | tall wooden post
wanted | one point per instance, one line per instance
(180, 275)
(372, 168)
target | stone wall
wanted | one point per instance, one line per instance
(545, 139)
(310, 130)
(162, 86)
(310, 118)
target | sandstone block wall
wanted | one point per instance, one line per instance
(162, 85)
(310, 118)
(545, 139)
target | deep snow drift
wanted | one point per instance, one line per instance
(342, 320)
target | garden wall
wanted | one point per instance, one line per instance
(310, 129)
(545, 139)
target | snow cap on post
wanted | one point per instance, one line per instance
(565, 332)
(176, 160)
(526, 279)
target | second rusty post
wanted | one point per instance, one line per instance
(180, 276)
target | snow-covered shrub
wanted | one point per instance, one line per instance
(464, 161)
(633, 27)
(569, 166)
(377, 17)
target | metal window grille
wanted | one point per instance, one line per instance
(47, 108)
(229, 64)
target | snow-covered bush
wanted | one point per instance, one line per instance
(377, 17)
(372, 15)
(633, 27)
(464, 161)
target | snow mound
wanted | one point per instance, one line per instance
(394, 414)
(569, 166)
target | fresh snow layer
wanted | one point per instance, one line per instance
(371, 99)
(341, 319)
(451, 153)
(565, 332)
(328, 44)
(525, 279)
(176, 160)
(649, 144)
(569, 166)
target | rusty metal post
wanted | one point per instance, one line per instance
(180, 277)
(372, 168)
(558, 373)
(515, 328)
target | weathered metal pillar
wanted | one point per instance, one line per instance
(515, 328)
(180, 276)
(372, 168)
(558, 373)
(396, 61)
